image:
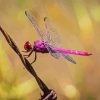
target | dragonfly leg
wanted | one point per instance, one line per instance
(29, 54)
(34, 58)
(24, 51)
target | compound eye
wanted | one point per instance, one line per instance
(28, 46)
(25, 47)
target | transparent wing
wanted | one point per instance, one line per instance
(43, 36)
(53, 53)
(51, 35)
(33, 21)
(57, 54)
(69, 58)
(53, 38)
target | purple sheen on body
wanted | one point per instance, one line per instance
(39, 46)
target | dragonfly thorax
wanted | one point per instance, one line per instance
(39, 46)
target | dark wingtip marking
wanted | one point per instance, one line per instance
(45, 18)
(26, 12)
(74, 62)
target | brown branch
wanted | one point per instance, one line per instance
(48, 94)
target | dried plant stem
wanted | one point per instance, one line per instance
(47, 93)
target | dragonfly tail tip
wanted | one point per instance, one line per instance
(89, 54)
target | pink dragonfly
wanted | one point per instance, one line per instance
(49, 42)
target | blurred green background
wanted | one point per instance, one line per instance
(78, 23)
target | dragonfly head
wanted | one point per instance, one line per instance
(28, 46)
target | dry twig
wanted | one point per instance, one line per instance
(48, 94)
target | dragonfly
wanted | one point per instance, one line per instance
(48, 43)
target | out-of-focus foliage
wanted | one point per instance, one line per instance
(9, 89)
(78, 23)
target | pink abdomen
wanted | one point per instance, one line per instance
(81, 53)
